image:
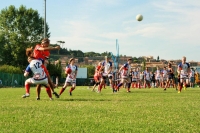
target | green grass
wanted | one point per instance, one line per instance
(142, 110)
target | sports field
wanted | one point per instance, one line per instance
(142, 110)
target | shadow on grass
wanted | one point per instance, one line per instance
(82, 99)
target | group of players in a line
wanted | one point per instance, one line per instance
(124, 76)
(134, 78)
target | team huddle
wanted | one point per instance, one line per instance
(125, 76)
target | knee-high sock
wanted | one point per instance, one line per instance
(27, 87)
(48, 90)
(139, 85)
(38, 90)
(100, 87)
(181, 86)
(71, 89)
(61, 91)
(119, 85)
(148, 85)
(129, 85)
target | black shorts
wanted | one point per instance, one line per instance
(105, 77)
(178, 80)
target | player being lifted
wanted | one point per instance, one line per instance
(125, 71)
(39, 77)
(107, 73)
(41, 51)
(183, 70)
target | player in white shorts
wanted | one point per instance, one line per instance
(125, 71)
(191, 77)
(164, 75)
(134, 78)
(183, 70)
(147, 77)
(141, 80)
(107, 73)
(158, 77)
(71, 78)
(39, 76)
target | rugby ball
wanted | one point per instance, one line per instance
(68, 70)
(139, 17)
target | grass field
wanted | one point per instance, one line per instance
(142, 110)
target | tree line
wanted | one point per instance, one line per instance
(21, 28)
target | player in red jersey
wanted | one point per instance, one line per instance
(41, 51)
(97, 76)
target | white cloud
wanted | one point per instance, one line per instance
(170, 25)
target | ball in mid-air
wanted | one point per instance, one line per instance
(139, 17)
(68, 70)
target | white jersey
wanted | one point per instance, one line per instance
(36, 68)
(157, 76)
(164, 72)
(107, 66)
(135, 74)
(147, 75)
(74, 69)
(126, 70)
(184, 69)
(191, 74)
(141, 76)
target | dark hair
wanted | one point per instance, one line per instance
(129, 59)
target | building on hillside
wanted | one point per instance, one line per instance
(193, 63)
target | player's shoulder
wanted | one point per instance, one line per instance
(180, 64)
(37, 46)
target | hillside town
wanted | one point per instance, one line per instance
(150, 62)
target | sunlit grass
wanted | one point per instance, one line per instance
(142, 110)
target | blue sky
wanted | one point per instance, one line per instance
(170, 28)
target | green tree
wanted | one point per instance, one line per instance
(19, 29)
(158, 59)
(135, 59)
(55, 69)
(143, 65)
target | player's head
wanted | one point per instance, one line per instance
(129, 60)
(45, 42)
(106, 58)
(147, 69)
(169, 64)
(183, 59)
(29, 52)
(71, 60)
(29, 59)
